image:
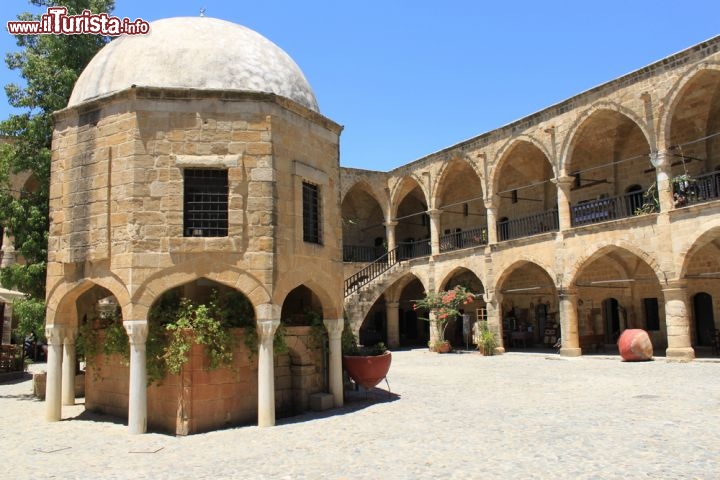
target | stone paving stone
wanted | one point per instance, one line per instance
(515, 416)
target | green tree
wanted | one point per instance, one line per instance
(49, 65)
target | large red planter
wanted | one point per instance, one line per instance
(634, 345)
(367, 371)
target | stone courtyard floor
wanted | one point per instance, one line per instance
(459, 416)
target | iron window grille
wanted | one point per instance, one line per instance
(312, 214)
(205, 204)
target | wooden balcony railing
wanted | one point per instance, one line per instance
(465, 239)
(528, 226)
(605, 209)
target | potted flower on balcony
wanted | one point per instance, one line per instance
(366, 366)
(442, 306)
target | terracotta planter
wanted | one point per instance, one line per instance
(635, 345)
(367, 371)
(443, 347)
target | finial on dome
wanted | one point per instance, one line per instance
(202, 11)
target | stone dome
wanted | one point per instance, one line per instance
(194, 52)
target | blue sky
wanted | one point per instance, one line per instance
(407, 78)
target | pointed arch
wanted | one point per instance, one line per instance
(505, 153)
(605, 248)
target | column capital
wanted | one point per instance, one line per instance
(392, 304)
(268, 311)
(563, 181)
(267, 328)
(55, 334)
(334, 327)
(69, 335)
(568, 293)
(490, 202)
(137, 331)
(434, 213)
(391, 223)
(659, 159)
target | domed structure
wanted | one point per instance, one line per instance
(194, 52)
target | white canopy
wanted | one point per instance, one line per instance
(8, 296)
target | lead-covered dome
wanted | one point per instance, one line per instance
(194, 52)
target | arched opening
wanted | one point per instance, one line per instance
(459, 329)
(374, 327)
(463, 217)
(301, 367)
(704, 319)
(414, 332)
(610, 153)
(529, 307)
(527, 199)
(363, 226)
(617, 290)
(412, 232)
(694, 139)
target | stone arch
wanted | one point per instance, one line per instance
(505, 153)
(186, 272)
(710, 232)
(364, 185)
(454, 270)
(330, 307)
(363, 223)
(600, 249)
(61, 300)
(508, 269)
(446, 169)
(573, 133)
(402, 187)
(674, 97)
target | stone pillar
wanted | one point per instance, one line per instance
(434, 231)
(390, 235)
(491, 212)
(8, 250)
(268, 320)
(68, 366)
(663, 174)
(563, 184)
(492, 308)
(335, 329)
(393, 324)
(677, 323)
(137, 331)
(434, 334)
(570, 340)
(53, 384)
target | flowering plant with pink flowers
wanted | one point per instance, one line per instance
(443, 306)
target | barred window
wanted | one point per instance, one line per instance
(205, 206)
(312, 215)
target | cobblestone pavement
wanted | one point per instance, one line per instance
(521, 416)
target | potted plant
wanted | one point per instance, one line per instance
(443, 306)
(485, 339)
(366, 366)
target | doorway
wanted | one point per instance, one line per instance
(704, 319)
(611, 319)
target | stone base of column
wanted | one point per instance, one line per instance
(684, 354)
(570, 352)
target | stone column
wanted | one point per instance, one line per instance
(492, 308)
(68, 366)
(8, 250)
(677, 323)
(334, 329)
(434, 335)
(491, 212)
(434, 231)
(663, 174)
(393, 324)
(268, 320)
(390, 235)
(563, 184)
(137, 331)
(570, 340)
(53, 383)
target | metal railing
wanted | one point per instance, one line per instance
(464, 239)
(527, 226)
(371, 271)
(605, 209)
(362, 253)
(702, 188)
(416, 249)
